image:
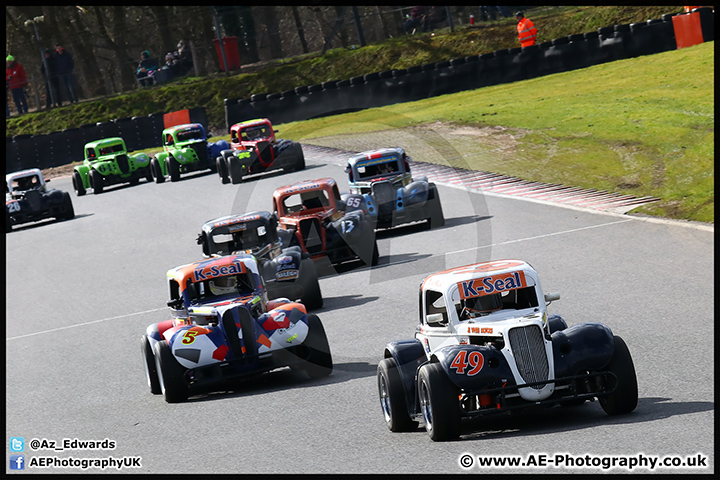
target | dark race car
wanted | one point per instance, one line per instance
(313, 212)
(287, 271)
(27, 199)
(382, 186)
(223, 328)
(485, 345)
(254, 149)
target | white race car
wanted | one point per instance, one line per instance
(486, 345)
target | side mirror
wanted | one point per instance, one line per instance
(434, 319)
(47, 180)
(551, 297)
(209, 135)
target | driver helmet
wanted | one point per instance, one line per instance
(484, 305)
(25, 183)
(223, 285)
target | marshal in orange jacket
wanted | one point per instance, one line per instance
(527, 33)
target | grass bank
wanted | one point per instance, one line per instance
(642, 126)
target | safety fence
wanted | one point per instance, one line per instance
(64, 147)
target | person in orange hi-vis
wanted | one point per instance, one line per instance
(527, 33)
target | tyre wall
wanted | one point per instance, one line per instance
(378, 89)
(61, 148)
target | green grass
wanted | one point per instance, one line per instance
(640, 126)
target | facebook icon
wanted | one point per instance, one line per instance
(17, 462)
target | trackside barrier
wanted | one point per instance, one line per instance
(576, 51)
(61, 148)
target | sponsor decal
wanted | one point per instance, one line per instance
(492, 284)
(284, 259)
(205, 273)
(287, 274)
(367, 163)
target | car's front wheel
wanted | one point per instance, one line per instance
(236, 169)
(170, 374)
(156, 170)
(68, 211)
(625, 397)
(173, 168)
(221, 167)
(78, 184)
(97, 182)
(392, 397)
(439, 403)
(150, 368)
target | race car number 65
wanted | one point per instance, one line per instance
(463, 360)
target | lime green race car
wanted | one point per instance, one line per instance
(185, 149)
(108, 162)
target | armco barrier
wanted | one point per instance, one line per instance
(62, 148)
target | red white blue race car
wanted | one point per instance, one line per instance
(224, 328)
(486, 345)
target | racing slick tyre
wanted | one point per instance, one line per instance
(311, 296)
(319, 362)
(439, 403)
(69, 212)
(134, 181)
(156, 171)
(436, 219)
(221, 168)
(173, 168)
(625, 397)
(170, 374)
(78, 184)
(8, 222)
(96, 181)
(149, 174)
(236, 170)
(392, 397)
(150, 368)
(299, 156)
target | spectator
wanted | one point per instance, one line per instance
(146, 69)
(65, 65)
(52, 83)
(527, 33)
(434, 17)
(185, 61)
(17, 81)
(415, 20)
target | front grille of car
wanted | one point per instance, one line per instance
(310, 231)
(200, 149)
(264, 151)
(122, 163)
(528, 348)
(35, 200)
(384, 195)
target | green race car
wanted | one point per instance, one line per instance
(185, 149)
(108, 162)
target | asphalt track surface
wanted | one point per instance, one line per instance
(80, 293)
